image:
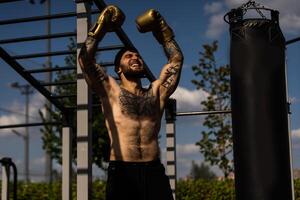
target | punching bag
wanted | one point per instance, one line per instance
(261, 140)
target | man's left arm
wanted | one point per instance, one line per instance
(152, 21)
(170, 74)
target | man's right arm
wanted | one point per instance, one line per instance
(109, 20)
(94, 74)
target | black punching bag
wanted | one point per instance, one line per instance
(259, 109)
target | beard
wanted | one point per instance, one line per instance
(133, 72)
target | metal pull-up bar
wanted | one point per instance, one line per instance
(6, 164)
(292, 41)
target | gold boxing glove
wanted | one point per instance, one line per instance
(152, 20)
(109, 20)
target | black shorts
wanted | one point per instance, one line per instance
(137, 181)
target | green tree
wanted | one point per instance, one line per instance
(201, 172)
(216, 141)
(52, 138)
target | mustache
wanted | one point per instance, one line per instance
(134, 61)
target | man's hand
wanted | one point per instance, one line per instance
(153, 21)
(110, 19)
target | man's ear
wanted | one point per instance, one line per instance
(119, 70)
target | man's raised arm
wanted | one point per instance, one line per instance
(170, 74)
(109, 20)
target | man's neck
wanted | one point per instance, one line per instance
(131, 84)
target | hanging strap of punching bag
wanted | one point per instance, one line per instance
(237, 14)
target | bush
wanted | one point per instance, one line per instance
(297, 189)
(39, 191)
(205, 190)
(186, 190)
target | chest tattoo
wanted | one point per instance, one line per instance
(138, 106)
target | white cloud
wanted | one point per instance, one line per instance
(296, 133)
(294, 100)
(38, 162)
(216, 26)
(187, 149)
(214, 7)
(188, 100)
(185, 154)
(36, 102)
(290, 23)
(190, 152)
(234, 3)
(185, 66)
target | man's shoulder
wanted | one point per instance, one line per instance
(111, 88)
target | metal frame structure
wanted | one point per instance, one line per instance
(170, 116)
(83, 13)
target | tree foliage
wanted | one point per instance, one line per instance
(52, 138)
(201, 172)
(216, 141)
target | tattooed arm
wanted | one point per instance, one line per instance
(109, 20)
(170, 74)
(94, 74)
(152, 20)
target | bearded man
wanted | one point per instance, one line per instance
(133, 113)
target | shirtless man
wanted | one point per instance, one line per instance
(133, 113)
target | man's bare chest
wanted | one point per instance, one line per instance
(137, 106)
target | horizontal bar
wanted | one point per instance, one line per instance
(38, 37)
(52, 69)
(9, 1)
(37, 55)
(29, 124)
(30, 79)
(202, 113)
(59, 83)
(65, 52)
(107, 64)
(75, 107)
(43, 17)
(292, 41)
(64, 96)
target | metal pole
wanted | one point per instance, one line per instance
(26, 169)
(84, 113)
(5, 182)
(25, 90)
(289, 129)
(48, 160)
(24, 138)
(170, 115)
(6, 163)
(63, 52)
(39, 18)
(30, 124)
(292, 41)
(213, 112)
(66, 163)
(15, 184)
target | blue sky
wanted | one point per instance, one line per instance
(195, 22)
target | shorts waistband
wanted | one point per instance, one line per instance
(129, 163)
